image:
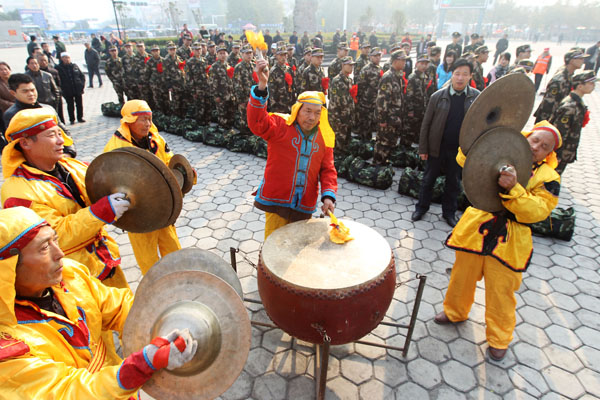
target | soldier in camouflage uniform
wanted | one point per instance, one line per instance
(306, 61)
(243, 81)
(203, 50)
(313, 76)
(571, 116)
(211, 56)
(481, 56)
(388, 64)
(174, 80)
(523, 67)
(435, 53)
(114, 71)
(368, 84)
(197, 85)
(130, 75)
(221, 85)
(154, 77)
(523, 52)
(389, 108)
(560, 85)
(363, 60)
(474, 44)
(234, 57)
(185, 50)
(336, 65)
(455, 45)
(281, 83)
(139, 66)
(292, 62)
(341, 106)
(416, 101)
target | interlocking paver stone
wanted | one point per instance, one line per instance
(374, 389)
(528, 380)
(458, 375)
(425, 373)
(269, 387)
(563, 382)
(356, 368)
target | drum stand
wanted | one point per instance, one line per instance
(322, 350)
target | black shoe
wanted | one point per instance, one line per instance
(90, 87)
(417, 215)
(450, 220)
(82, 120)
(72, 122)
(100, 85)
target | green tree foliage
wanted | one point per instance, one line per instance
(398, 20)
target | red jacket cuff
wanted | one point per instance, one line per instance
(134, 371)
(103, 210)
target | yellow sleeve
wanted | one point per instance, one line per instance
(36, 378)
(529, 206)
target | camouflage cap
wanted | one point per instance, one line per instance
(474, 36)
(481, 50)
(155, 47)
(171, 45)
(574, 53)
(113, 48)
(187, 36)
(237, 44)
(456, 34)
(423, 58)
(527, 64)
(347, 61)
(343, 46)
(586, 76)
(307, 50)
(397, 46)
(211, 43)
(316, 52)
(196, 45)
(128, 44)
(431, 43)
(281, 48)
(291, 46)
(140, 44)
(365, 45)
(246, 49)
(435, 51)
(523, 49)
(398, 55)
(221, 47)
(375, 51)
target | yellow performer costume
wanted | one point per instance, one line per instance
(48, 355)
(499, 248)
(145, 245)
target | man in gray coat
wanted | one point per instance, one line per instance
(47, 89)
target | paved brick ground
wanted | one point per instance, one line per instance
(555, 353)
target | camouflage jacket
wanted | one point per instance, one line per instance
(368, 83)
(233, 59)
(293, 64)
(456, 47)
(130, 75)
(153, 76)
(341, 103)
(390, 98)
(569, 118)
(360, 63)
(221, 85)
(195, 75)
(416, 93)
(478, 75)
(114, 70)
(302, 67)
(243, 81)
(432, 79)
(334, 68)
(173, 74)
(281, 94)
(470, 48)
(139, 66)
(558, 88)
(312, 79)
(184, 53)
(210, 59)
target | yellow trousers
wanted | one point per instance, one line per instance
(147, 245)
(501, 284)
(118, 280)
(274, 222)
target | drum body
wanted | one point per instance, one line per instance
(306, 281)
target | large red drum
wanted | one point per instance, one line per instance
(306, 281)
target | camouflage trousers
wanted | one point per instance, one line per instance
(118, 87)
(177, 101)
(161, 99)
(413, 130)
(146, 95)
(201, 107)
(365, 120)
(385, 143)
(225, 113)
(342, 135)
(243, 118)
(131, 91)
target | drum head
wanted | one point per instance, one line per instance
(302, 254)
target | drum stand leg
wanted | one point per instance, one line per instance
(321, 366)
(415, 312)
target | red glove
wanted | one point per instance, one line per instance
(586, 118)
(181, 65)
(254, 76)
(288, 79)
(380, 73)
(172, 351)
(230, 72)
(354, 92)
(159, 67)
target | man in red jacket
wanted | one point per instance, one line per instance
(300, 155)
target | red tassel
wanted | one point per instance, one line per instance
(380, 73)
(230, 72)
(586, 118)
(288, 79)
(181, 65)
(159, 67)
(146, 59)
(254, 76)
(354, 93)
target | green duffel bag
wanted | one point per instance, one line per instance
(237, 143)
(259, 147)
(410, 182)
(111, 109)
(185, 125)
(560, 224)
(340, 166)
(172, 122)
(360, 148)
(196, 135)
(365, 173)
(159, 120)
(214, 136)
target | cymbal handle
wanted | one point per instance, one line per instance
(507, 168)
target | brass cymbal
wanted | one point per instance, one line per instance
(507, 102)
(192, 259)
(152, 200)
(490, 152)
(167, 175)
(180, 164)
(216, 318)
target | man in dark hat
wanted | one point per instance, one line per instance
(474, 43)
(523, 52)
(501, 47)
(368, 84)
(455, 45)
(185, 50)
(114, 71)
(336, 65)
(481, 56)
(313, 77)
(341, 105)
(59, 46)
(363, 60)
(416, 101)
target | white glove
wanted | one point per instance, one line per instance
(119, 203)
(171, 351)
